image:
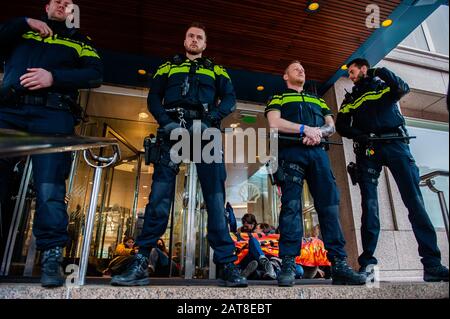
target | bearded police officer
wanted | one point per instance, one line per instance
(370, 116)
(184, 89)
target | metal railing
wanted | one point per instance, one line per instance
(16, 143)
(427, 180)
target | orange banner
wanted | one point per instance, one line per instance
(313, 252)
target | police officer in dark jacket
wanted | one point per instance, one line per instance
(45, 64)
(297, 113)
(371, 111)
(185, 89)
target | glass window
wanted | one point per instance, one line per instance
(431, 152)
(416, 39)
(438, 25)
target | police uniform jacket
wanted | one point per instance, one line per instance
(68, 55)
(302, 108)
(199, 85)
(372, 106)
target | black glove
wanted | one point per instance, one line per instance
(211, 120)
(361, 139)
(371, 72)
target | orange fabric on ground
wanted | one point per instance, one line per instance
(313, 252)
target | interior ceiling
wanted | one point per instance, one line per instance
(248, 35)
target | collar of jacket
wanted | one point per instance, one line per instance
(59, 27)
(288, 90)
(181, 58)
(364, 85)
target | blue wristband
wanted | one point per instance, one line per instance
(302, 129)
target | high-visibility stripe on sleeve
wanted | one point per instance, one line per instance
(82, 49)
(369, 96)
(221, 71)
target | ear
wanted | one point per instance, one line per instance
(47, 7)
(364, 69)
(285, 77)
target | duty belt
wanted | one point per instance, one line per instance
(187, 113)
(51, 100)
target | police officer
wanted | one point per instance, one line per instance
(192, 85)
(369, 111)
(295, 112)
(45, 64)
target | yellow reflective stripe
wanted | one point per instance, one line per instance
(289, 99)
(90, 53)
(178, 69)
(323, 104)
(275, 101)
(207, 72)
(31, 35)
(295, 97)
(316, 101)
(185, 69)
(369, 96)
(81, 48)
(163, 69)
(221, 71)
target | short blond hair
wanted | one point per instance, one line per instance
(292, 62)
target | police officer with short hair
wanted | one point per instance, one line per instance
(185, 89)
(371, 111)
(45, 64)
(295, 112)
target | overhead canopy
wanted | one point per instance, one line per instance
(254, 39)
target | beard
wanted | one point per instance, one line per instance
(360, 76)
(193, 51)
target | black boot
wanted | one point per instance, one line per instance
(231, 277)
(51, 269)
(286, 277)
(269, 272)
(136, 273)
(435, 274)
(342, 274)
(250, 269)
(368, 271)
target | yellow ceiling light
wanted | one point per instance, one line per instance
(143, 116)
(260, 88)
(313, 6)
(387, 23)
(142, 72)
(344, 67)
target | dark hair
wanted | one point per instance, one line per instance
(359, 62)
(266, 228)
(249, 219)
(163, 247)
(127, 239)
(198, 25)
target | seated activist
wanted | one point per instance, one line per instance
(122, 257)
(312, 255)
(255, 258)
(158, 262)
(322, 271)
(248, 224)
